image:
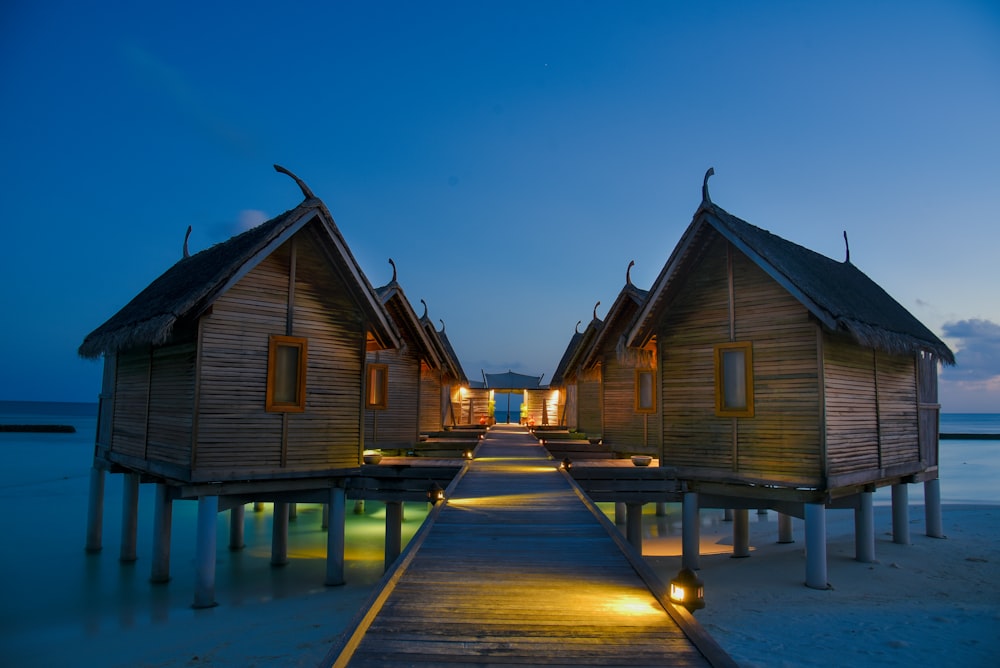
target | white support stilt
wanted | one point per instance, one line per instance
(204, 585)
(621, 513)
(785, 528)
(95, 510)
(163, 510)
(864, 529)
(901, 514)
(279, 534)
(633, 525)
(237, 514)
(335, 542)
(932, 508)
(727, 515)
(661, 509)
(816, 576)
(393, 532)
(359, 507)
(325, 521)
(130, 516)
(741, 533)
(690, 531)
(293, 511)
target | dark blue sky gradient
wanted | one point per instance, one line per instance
(511, 157)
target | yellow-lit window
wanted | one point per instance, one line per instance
(286, 374)
(734, 379)
(645, 391)
(377, 393)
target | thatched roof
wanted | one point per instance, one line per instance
(558, 378)
(620, 315)
(188, 288)
(399, 307)
(445, 350)
(838, 294)
(571, 365)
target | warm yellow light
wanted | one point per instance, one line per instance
(462, 391)
(677, 593)
(633, 606)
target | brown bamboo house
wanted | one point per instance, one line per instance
(787, 379)
(403, 391)
(452, 382)
(630, 413)
(239, 375)
(581, 387)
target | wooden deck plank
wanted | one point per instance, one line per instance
(517, 568)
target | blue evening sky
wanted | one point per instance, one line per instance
(511, 157)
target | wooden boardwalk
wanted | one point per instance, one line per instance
(519, 568)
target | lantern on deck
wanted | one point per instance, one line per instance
(688, 590)
(566, 464)
(435, 494)
(467, 453)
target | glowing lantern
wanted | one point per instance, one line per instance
(435, 494)
(688, 590)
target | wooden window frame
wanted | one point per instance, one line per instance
(721, 409)
(375, 374)
(275, 342)
(639, 408)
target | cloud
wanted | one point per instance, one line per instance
(978, 345)
(249, 219)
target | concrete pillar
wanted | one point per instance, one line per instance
(258, 506)
(727, 515)
(901, 514)
(785, 528)
(204, 584)
(620, 513)
(359, 507)
(325, 521)
(864, 529)
(633, 525)
(393, 532)
(130, 516)
(95, 510)
(661, 509)
(690, 531)
(335, 511)
(236, 516)
(932, 508)
(163, 510)
(741, 533)
(816, 576)
(762, 511)
(279, 534)
(293, 511)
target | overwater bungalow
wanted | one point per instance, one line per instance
(239, 375)
(581, 387)
(788, 380)
(403, 389)
(630, 412)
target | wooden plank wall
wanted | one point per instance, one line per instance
(171, 405)
(397, 422)
(930, 409)
(897, 408)
(851, 406)
(430, 399)
(589, 406)
(131, 402)
(782, 440)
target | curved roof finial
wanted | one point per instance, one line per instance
(628, 273)
(442, 325)
(577, 328)
(847, 246)
(394, 271)
(704, 186)
(425, 308)
(308, 194)
(187, 235)
(595, 309)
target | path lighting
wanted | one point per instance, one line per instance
(435, 493)
(566, 464)
(688, 590)
(467, 453)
